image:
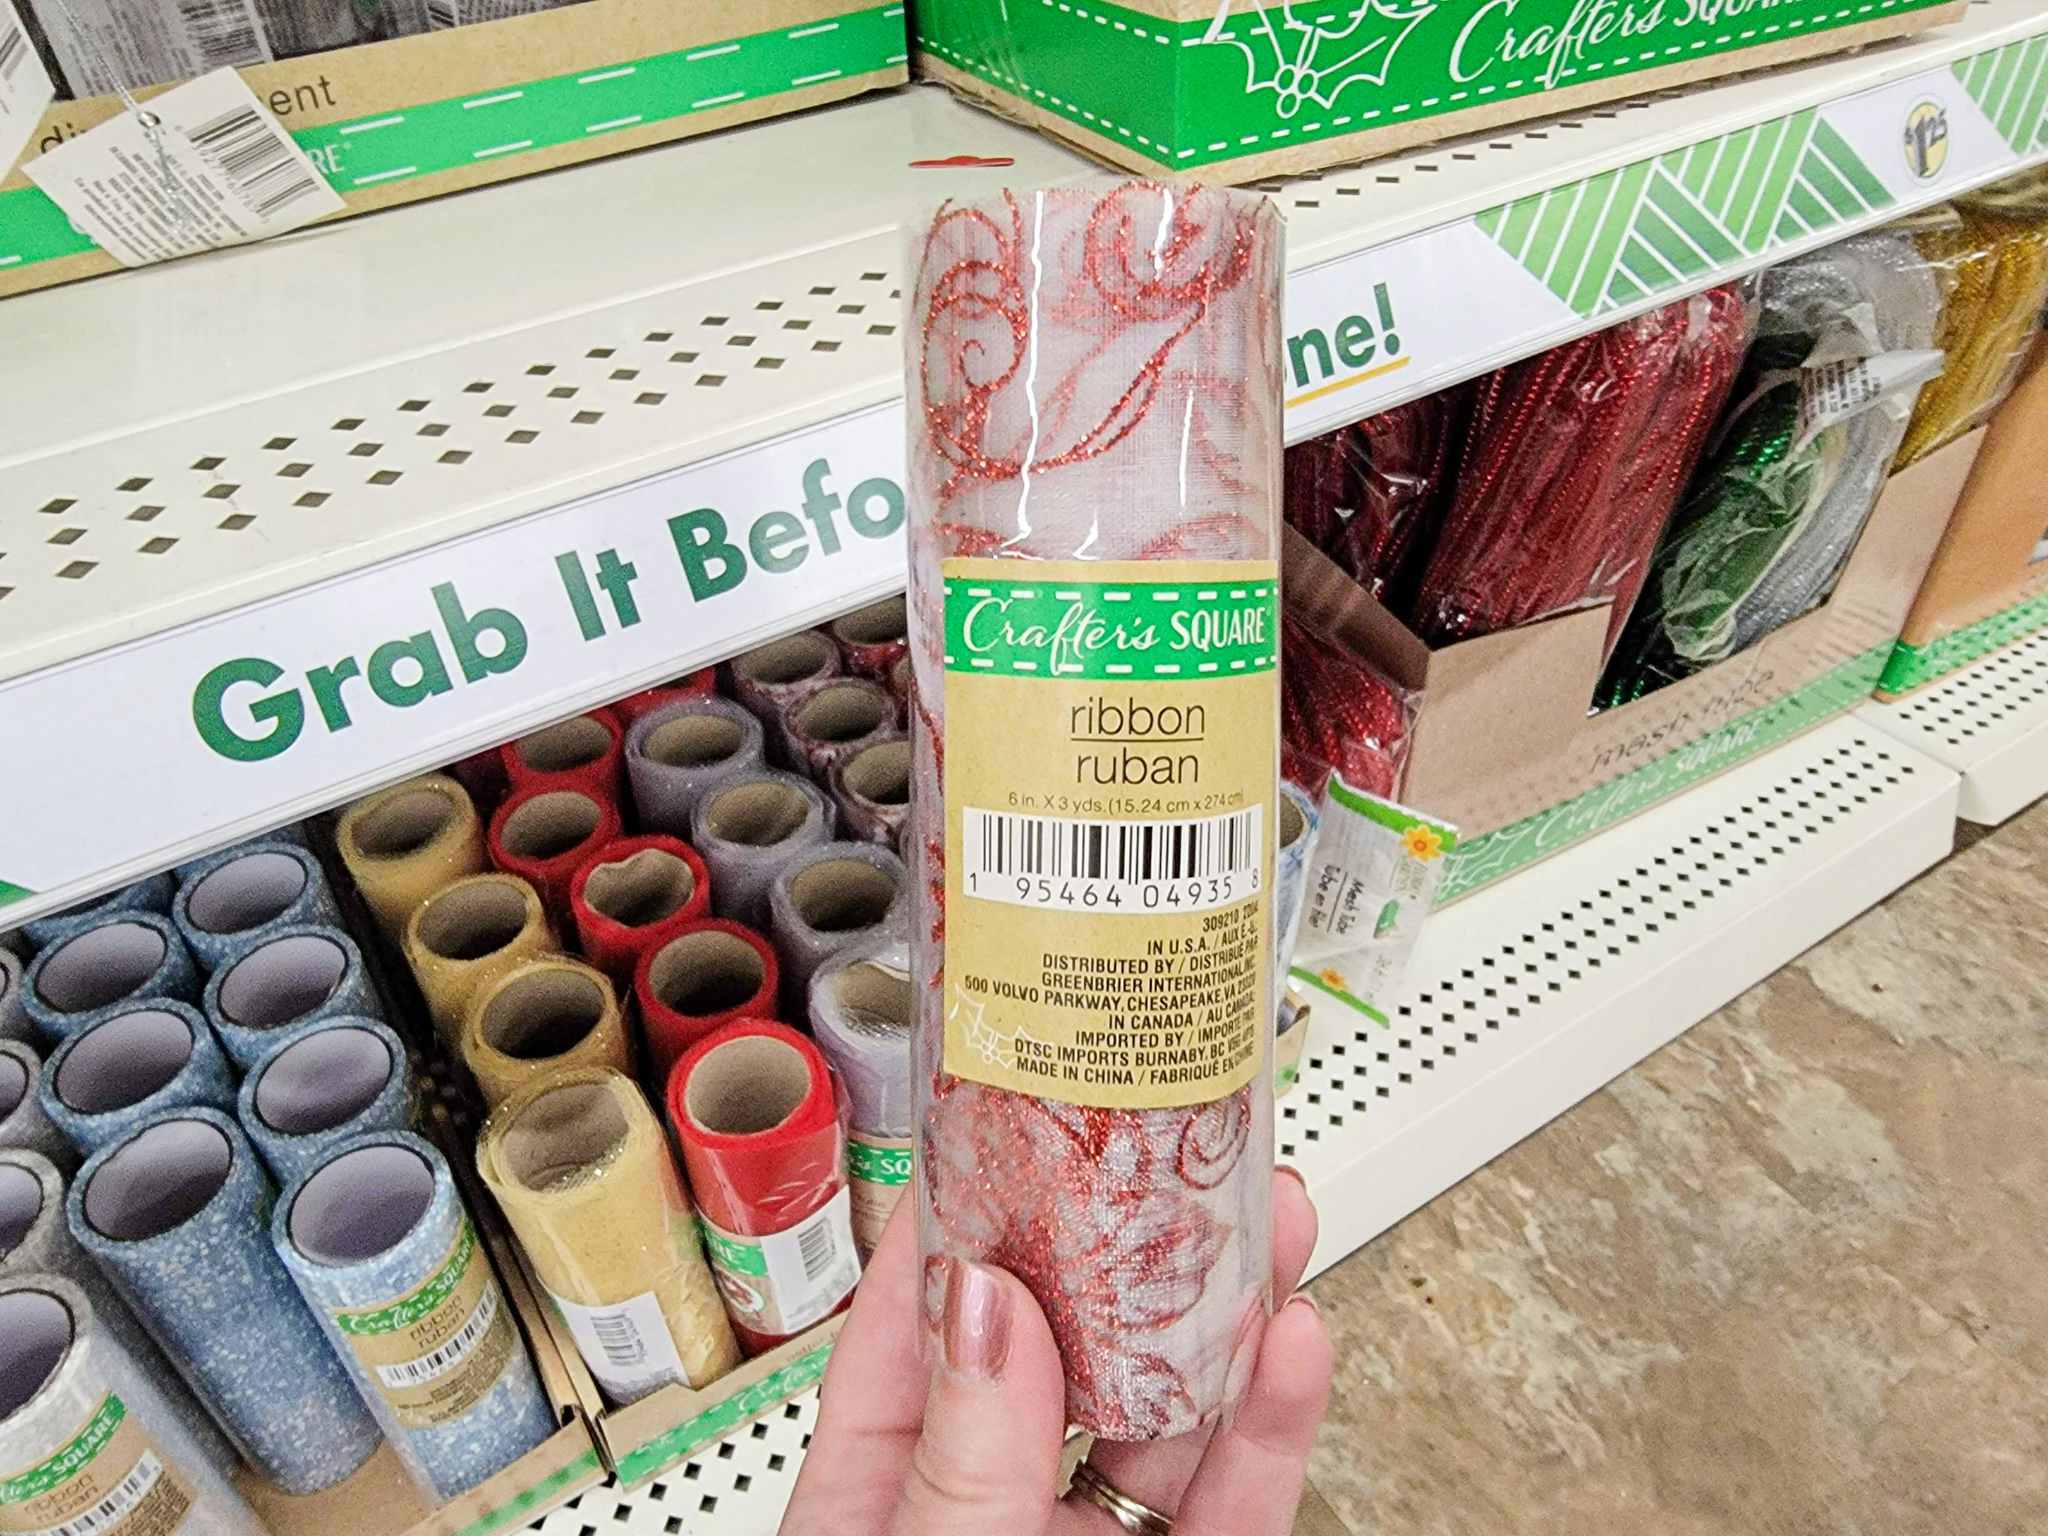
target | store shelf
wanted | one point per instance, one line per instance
(277, 453)
(1522, 1000)
(1988, 723)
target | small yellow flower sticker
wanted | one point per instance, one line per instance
(1334, 980)
(1423, 843)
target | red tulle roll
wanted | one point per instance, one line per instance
(1337, 715)
(639, 906)
(543, 835)
(698, 979)
(690, 686)
(585, 753)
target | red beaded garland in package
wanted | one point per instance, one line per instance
(1095, 461)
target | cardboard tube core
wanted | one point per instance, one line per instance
(550, 824)
(564, 745)
(1292, 823)
(699, 974)
(322, 1081)
(842, 712)
(36, 1330)
(21, 1202)
(645, 888)
(360, 1204)
(837, 895)
(13, 1085)
(876, 624)
(100, 966)
(542, 1014)
(124, 1061)
(746, 1086)
(563, 1134)
(788, 660)
(759, 814)
(403, 824)
(246, 893)
(874, 999)
(694, 741)
(282, 981)
(160, 1178)
(472, 920)
(881, 773)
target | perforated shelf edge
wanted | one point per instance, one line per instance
(1988, 722)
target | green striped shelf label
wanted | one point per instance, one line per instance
(2010, 86)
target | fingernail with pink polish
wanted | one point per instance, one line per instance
(976, 1330)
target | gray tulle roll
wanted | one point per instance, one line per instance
(237, 899)
(871, 787)
(373, 1224)
(1300, 818)
(63, 1369)
(130, 1065)
(295, 977)
(149, 895)
(827, 899)
(864, 1016)
(827, 722)
(1881, 275)
(22, 1121)
(176, 1213)
(325, 1083)
(764, 677)
(676, 754)
(34, 1236)
(14, 1020)
(292, 832)
(102, 960)
(748, 829)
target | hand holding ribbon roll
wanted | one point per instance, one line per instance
(539, 1017)
(404, 843)
(631, 895)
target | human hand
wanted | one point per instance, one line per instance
(959, 1433)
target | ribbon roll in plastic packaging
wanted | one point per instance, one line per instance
(102, 961)
(301, 975)
(831, 721)
(324, 1084)
(128, 1067)
(538, 1018)
(635, 706)
(872, 790)
(1299, 823)
(583, 753)
(864, 1016)
(390, 1263)
(836, 895)
(680, 752)
(763, 679)
(89, 1438)
(23, 1122)
(1095, 396)
(754, 1111)
(544, 835)
(698, 981)
(150, 895)
(631, 895)
(582, 1170)
(1338, 715)
(249, 894)
(748, 829)
(468, 933)
(175, 1214)
(404, 843)
(873, 639)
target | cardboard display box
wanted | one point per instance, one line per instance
(394, 122)
(1502, 745)
(1988, 583)
(1242, 90)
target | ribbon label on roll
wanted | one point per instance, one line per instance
(437, 1350)
(626, 1344)
(107, 1480)
(782, 1283)
(1109, 864)
(879, 1167)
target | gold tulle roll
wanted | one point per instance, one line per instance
(469, 933)
(583, 1172)
(539, 1017)
(404, 843)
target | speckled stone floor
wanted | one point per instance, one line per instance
(1789, 1275)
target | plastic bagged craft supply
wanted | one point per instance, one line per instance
(677, 754)
(468, 933)
(748, 829)
(326, 1083)
(585, 752)
(539, 1017)
(636, 706)
(14, 1019)
(1843, 338)
(828, 898)
(543, 836)
(404, 843)
(582, 1170)
(1299, 822)
(148, 895)
(129, 1066)
(1095, 392)
(249, 894)
(754, 1111)
(831, 721)
(175, 1213)
(23, 1122)
(105, 960)
(872, 790)
(1337, 715)
(87, 1431)
(631, 895)
(697, 982)
(863, 1013)
(300, 975)
(873, 639)
(1572, 464)
(761, 679)
(389, 1262)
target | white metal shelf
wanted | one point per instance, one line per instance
(1987, 722)
(1521, 1001)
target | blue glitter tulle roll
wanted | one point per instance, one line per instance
(137, 1061)
(326, 1083)
(22, 1121)
(102, 960)
(150, 895)
(232, 902)
(295, 977)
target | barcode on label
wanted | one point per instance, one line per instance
(13, 46)
(116, 1506)
(247, 148)
(620, 1340)
(1113, 866)
(413, 1373)
(223, 32)
(443, 13)
(817, 1250)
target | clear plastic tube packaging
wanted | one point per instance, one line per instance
(101, 961)
(679, 753)
(236, 900)
(836, 895)
(175, 1214)
(864, 1018)
(300, 975)
(111, 1076)
(327, 1082)
(23, 1121)
(389, 1261)
(148, 895)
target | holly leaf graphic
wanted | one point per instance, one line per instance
(1312, 61)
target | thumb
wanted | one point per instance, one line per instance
(988, 1457)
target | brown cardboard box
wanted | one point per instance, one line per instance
(386, 124)
(1502, 745)
(1988, 583)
